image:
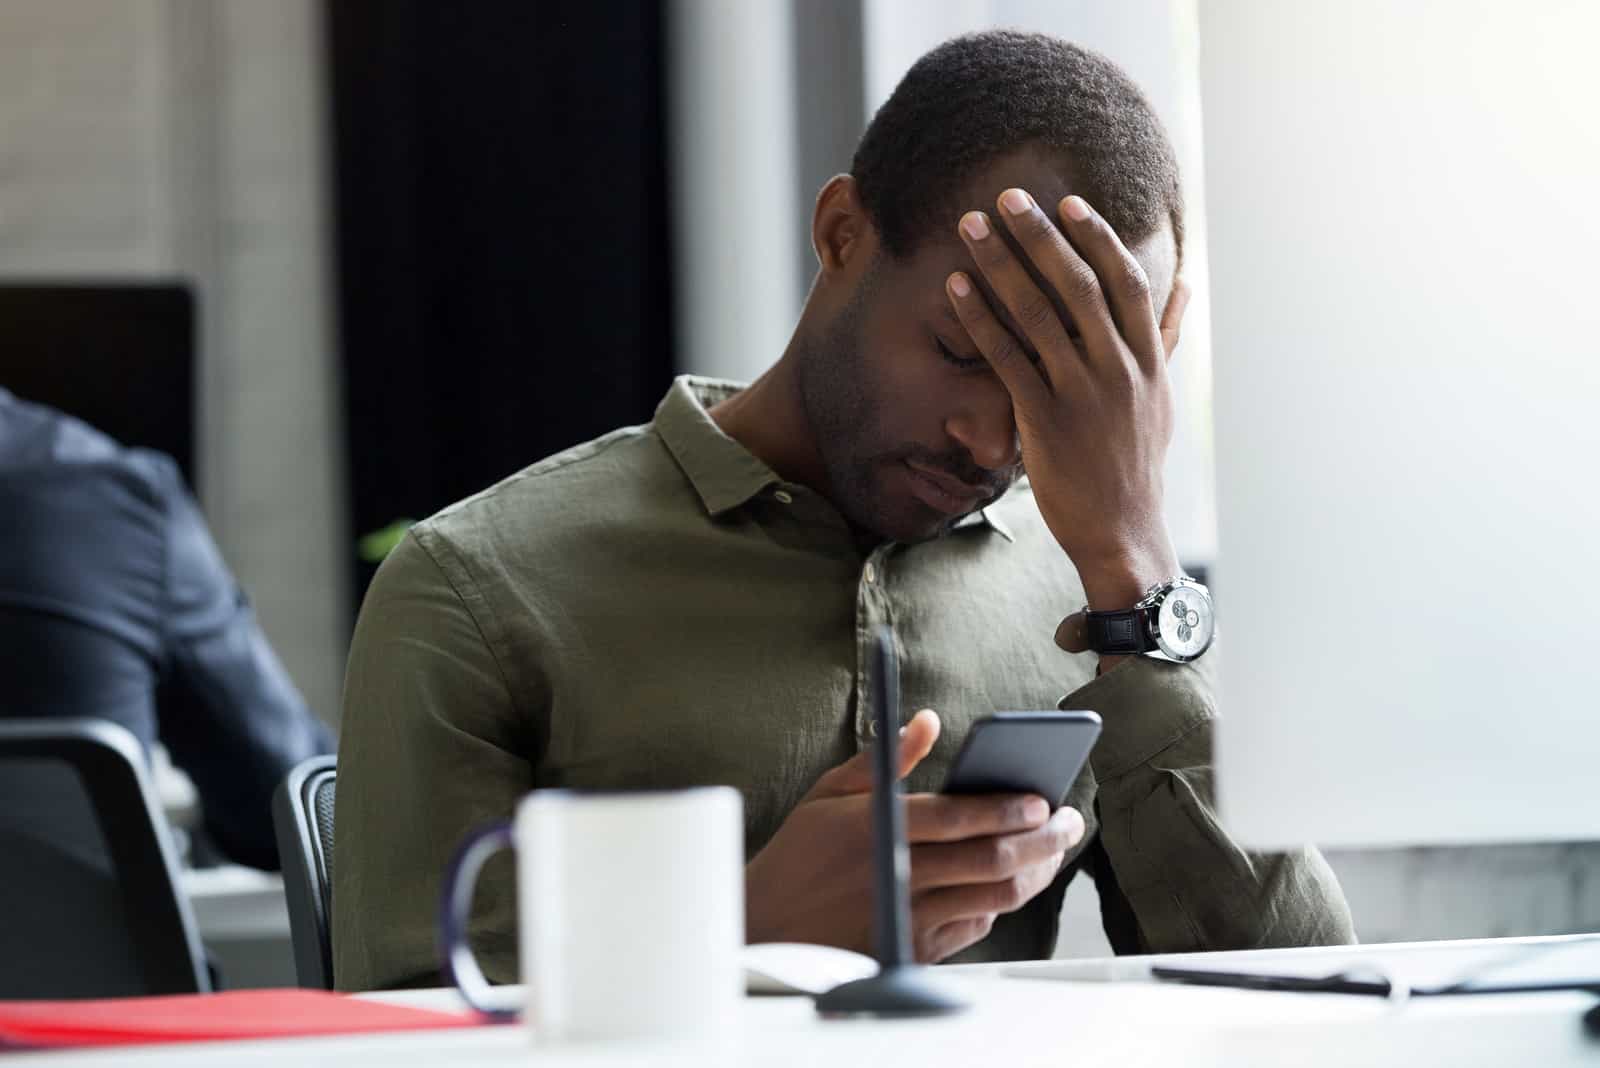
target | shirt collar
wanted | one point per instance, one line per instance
(990, 517)
(723, 472)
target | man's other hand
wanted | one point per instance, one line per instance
(972, 859)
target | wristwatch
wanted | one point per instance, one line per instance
(1175, 621)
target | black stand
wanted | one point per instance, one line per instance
(901, 987)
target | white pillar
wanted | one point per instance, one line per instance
(732, 148)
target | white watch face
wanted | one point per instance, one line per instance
(1185, 623)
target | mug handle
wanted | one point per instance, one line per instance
(455, 906)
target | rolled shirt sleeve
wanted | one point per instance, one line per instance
(1165, 860)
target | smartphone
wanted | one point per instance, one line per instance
(1024, 753)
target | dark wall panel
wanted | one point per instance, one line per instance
(502, 227)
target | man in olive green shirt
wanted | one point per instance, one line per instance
(689, 601)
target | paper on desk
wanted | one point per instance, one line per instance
(203, 1017)
(801, 968)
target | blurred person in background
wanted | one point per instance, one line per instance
(116, 604)
(690, 601)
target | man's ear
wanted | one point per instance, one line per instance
(1172, 316)
(840, 229)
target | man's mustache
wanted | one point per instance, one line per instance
(959, 465)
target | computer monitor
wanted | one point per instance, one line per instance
(1403, 211)
(119, 356)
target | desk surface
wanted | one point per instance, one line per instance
(237, 902)
(1016, 1021)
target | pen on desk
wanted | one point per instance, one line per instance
(1339, 983)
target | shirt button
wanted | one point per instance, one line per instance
(870, 573)
(783, 497)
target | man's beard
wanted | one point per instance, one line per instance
(845, 411)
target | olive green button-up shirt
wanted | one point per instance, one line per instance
(657, 608)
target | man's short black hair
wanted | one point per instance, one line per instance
(982, 96)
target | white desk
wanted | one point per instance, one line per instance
(237, 902)
(1015, 1021)
(241, 913)
(244, 922)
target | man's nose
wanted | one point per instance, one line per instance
(986, 426)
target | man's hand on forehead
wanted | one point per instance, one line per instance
(1073, 334)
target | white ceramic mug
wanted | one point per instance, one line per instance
(630, 910)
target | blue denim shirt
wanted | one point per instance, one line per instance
(115, 603)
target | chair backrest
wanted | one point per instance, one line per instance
(302, 817)
(90, 904)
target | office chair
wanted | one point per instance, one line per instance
(90, 904)
(302, 817)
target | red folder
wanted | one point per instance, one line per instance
(210, 1017)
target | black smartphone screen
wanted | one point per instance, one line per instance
(1024, 752)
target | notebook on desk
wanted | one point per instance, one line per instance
(209, 1017)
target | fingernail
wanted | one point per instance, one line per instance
(974, 225)
(1015, 201)
(959, 285)
(903, 731)
(1035, 810)
(1076, 208)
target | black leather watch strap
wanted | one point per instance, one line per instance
(1117, 632)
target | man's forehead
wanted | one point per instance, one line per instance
(1047, 177)
(1157, 254)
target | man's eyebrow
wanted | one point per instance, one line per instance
(948, 314)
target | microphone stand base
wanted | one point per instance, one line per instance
(899, 990)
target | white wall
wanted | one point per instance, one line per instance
(162, 138)
(1404, 213)
(732, 147)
